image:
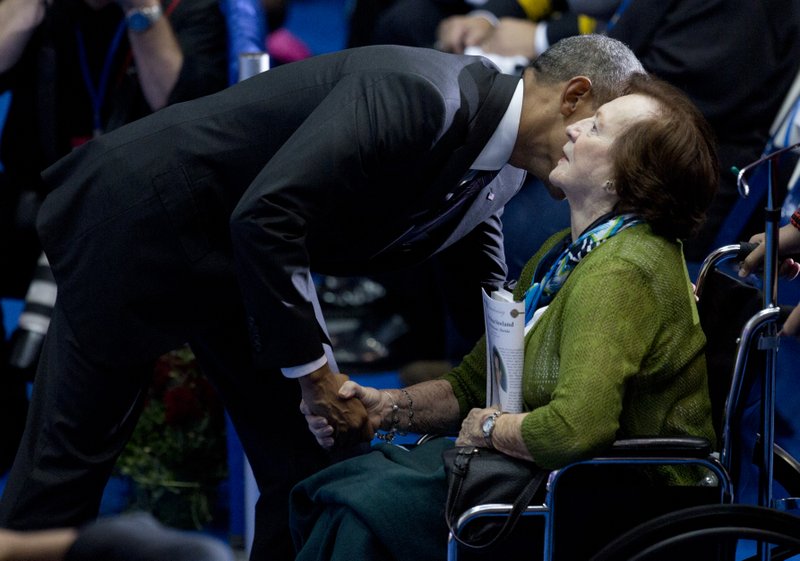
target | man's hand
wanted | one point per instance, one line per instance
(347, 417)
(371, 398)
(512, 37)
(456, 33)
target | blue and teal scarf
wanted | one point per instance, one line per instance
(542, 293)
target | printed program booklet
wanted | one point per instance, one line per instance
(505, 326)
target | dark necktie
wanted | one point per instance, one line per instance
(470, 184)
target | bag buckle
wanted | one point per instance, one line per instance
(461, 462)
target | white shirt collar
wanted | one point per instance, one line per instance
(498, 150)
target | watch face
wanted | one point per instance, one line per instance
(488, 424)
(138, 22)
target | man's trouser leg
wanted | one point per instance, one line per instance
(81, 416)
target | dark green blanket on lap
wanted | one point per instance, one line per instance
(385, 505)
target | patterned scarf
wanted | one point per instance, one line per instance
(542, 293)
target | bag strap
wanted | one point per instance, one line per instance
(460, 466)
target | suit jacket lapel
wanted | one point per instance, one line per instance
(505, 185)
(480, 129)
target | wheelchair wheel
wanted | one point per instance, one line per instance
(718, 524)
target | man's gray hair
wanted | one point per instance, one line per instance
(608, 63)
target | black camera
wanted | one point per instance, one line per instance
(27, 340)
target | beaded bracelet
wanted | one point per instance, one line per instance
(394, 421)
(795, 219)
(410, 426)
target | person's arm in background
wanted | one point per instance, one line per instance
(18, 20)
(524, 37)
(126, 537)
(456, 33)
(514, 27)
(459, 32)
(788, 245)
(200, 30)
(182, 55)
(791, 326)
(43, 545)
(158, 56)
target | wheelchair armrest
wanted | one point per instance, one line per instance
(659, 446)
(644, 446)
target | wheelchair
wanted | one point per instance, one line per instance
(604, 509)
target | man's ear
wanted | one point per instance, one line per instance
(578, 90)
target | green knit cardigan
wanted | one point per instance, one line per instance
(617, 354)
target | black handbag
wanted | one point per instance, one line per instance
(481, 475)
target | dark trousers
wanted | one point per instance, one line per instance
(83, 412)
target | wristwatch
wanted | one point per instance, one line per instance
(488, 427)
(141, 19)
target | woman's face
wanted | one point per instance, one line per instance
(586, 164)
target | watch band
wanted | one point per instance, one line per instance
(488, 427)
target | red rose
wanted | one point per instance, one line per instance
(181, 406)
(161, 375)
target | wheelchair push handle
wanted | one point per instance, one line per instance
(733, 252)
(745, 249)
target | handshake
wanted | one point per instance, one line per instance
(345, 414)
(340, 413)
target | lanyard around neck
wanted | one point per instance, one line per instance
(624, 5)
(97, 93)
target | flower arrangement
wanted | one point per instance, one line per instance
(176, 456)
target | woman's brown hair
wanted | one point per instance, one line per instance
(666, 168)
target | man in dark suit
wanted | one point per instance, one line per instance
(203, 222)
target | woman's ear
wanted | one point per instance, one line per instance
(577, 92)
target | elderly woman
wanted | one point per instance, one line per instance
(617, 353)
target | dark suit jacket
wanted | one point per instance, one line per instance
(320, 165)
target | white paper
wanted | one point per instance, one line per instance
(505, 325)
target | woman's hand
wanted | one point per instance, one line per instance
(369, 397)
(506, 436)
(373, 400)
(471, 433)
